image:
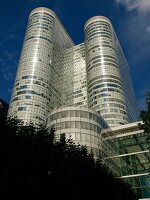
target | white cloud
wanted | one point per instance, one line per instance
(139, 5)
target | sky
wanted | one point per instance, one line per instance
(130, 19)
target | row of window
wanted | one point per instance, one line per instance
(98, 96)
(37, 37)
(105, 85)
(25, 110)
(97, 71)
(26, 70)
(114, 100)
(105, 51)
(25, 116)
(38, 26)
(33, 92)
(104, 90)
(81, 137)
(113, 110)
(113, 105)
(98, 28)
(114, 116)
(50, 90)
(33, 51)
(36, 87)
(99, 35)
(98, 32)
(105, 59)
(102, 62)
(39, 14)
(77, 124)
(43, 20)
(78, 95)
(95, 24)
(103, 81)
(36, 43)
(77, 113)
(103, 65)
(101, 56)
(99, 47)
(41, 57)
(99, 77)
(29, 101)
(34, 98)
(42, 32)
(40, 79)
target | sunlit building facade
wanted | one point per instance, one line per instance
(54, 72)
(39, 81)
(105, 90)
(85, 91)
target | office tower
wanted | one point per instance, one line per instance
(37, 88)
(85, 91)
(105, 89)
(53, 72)
(126, 80)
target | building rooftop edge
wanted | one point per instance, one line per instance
(96, 18)
(44, 9)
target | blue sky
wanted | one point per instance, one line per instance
(130, 18)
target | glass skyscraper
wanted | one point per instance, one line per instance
(54, 72)
(39, 81)
(85, 91)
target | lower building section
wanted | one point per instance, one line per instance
(82, 125)
(124, 149)
(133, 156)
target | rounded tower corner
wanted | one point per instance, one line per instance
(96, 18)
(43, 9)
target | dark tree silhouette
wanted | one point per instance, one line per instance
(145, 116)
(34, 165)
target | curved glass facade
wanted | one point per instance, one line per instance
(84, 126)
(81, 124)
(105, 91)
(53, 72)
(78, 89)
(36, 90)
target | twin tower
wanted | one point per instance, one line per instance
(54, 73)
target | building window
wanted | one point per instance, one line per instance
(27, 97)
(21, 108)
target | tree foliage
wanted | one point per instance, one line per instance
(145, 116)
(34, 165)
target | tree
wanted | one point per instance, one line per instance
(34, 165)
(145, 116)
